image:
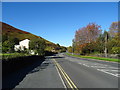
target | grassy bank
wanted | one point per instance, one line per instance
(6, 56)
(97, 58)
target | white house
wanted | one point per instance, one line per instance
(16, 47)
(22, 45)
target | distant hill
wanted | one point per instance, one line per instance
(21, 35)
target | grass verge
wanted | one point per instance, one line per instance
(97, 58)
(6, 56)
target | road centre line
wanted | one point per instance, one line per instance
(64, 75)
(61, 77)
(69, 81)
(66, 79)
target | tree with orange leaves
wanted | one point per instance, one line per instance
(86, 36)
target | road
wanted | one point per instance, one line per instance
(62, 71)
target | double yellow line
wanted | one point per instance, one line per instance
(67, 78)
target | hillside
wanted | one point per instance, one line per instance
(21, 35)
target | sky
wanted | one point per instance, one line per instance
(58, 21)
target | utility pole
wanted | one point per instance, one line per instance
(106, 40)
(72, 46)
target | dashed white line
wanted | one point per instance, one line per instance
(98, 66)
(85, 65)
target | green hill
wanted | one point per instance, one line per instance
(10, 31)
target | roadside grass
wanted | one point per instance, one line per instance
(97, 58)
(6, 56)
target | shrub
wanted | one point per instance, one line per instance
(116, 50)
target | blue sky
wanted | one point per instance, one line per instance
(57, 22)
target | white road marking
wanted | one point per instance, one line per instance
(116, 75)
(100, 67)
(61, 78)
(85, 65)
(111, 70)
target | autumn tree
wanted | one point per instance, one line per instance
(92, 32)
(86, 36)
(113, 30)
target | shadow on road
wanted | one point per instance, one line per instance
(40, 67)
(13, 79)
(55, 57)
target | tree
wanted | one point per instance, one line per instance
(73, 45)
(5, 46)
(69, 49)
(114, 42)
(86, 36)
(63, 49)
(0, 47)
(38, 45)
(8, 43)
(12, 41)
(99, 46)
(4, 37)
(113, 30)
(57, 47)
(16, 41)
(116, 50)
(92, 32)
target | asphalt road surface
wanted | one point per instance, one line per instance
(62, 71)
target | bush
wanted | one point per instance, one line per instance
(116, 50)
(38, 45)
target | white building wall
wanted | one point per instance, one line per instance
(17, 47)
(22, 44)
